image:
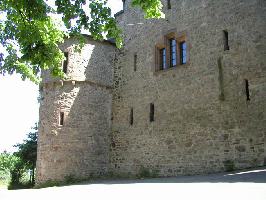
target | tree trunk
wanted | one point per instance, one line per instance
(32, 177)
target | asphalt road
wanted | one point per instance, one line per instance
(244, 185)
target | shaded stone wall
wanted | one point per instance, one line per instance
(79, 148)
(203, 121)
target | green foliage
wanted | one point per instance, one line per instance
(27, 152)
(31, 37)
(11, 168)
(17, 172)
(229, 165)
(102, 22)
(4, 178)
(7, 162)
(151, 8)
(20, 185)
(3, 182)
(147, 173)
(68, 180)
(49, 183)
(144, 173)
(14, 167)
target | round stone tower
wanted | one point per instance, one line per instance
(75, 114)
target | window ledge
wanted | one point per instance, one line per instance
(170, 69)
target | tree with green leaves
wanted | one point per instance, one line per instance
(10, 167)
(30, 36)
(6, 163)
(14, 166)
(27, 152)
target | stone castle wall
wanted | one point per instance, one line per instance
(79, 148)
(203, 120)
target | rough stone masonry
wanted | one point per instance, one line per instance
(185, 95)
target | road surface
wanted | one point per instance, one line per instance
(244, 185)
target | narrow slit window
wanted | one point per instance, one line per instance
(168, 4)
(131, 116)
(226, 40)
(172, 52)
(220, 78)
(41, 88)
(162, 59)
(61, 118)
(151, 112)
(135, 62)
(247, 90)
(65, 63)
(183, 53)
(124, 4)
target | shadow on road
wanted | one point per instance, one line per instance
(252, 176)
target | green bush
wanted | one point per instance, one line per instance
(49, 183)
(20, 179)
(3, 183)
(19, 185)
(4, 178)
(68, 180)
(147, 173)
(229, 165)
(144, 173)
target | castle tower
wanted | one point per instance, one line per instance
(75, 114)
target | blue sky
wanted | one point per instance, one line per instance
(19, 108)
